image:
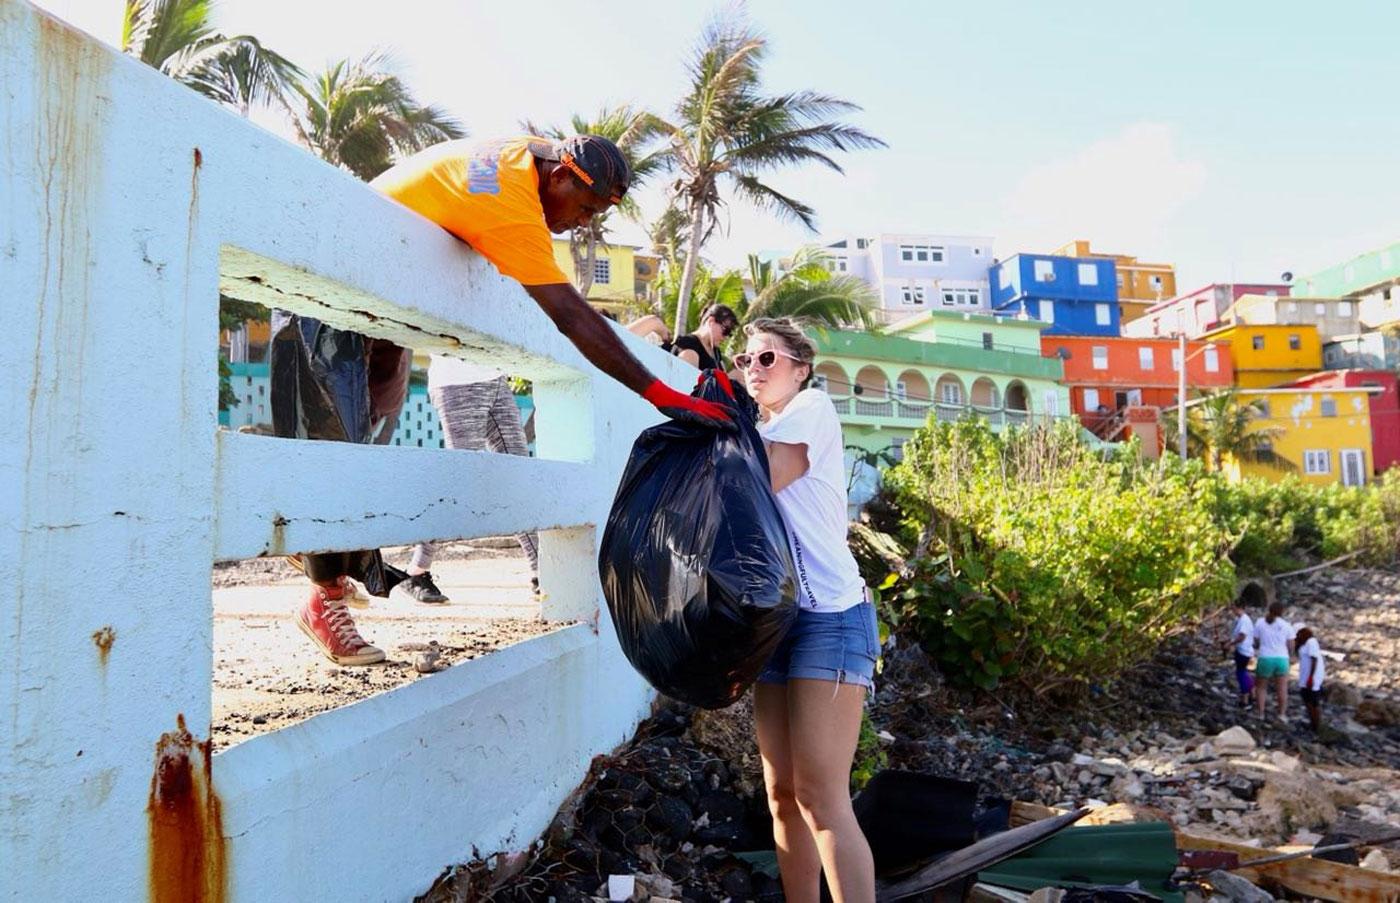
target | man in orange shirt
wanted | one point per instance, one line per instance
(504, 199)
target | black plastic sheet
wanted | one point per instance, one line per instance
(332, 384)
(695, 561)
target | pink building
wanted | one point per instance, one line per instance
(1201, 310)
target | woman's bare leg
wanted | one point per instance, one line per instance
(798, 861)
(823, 727)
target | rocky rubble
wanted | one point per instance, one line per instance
(671, 810)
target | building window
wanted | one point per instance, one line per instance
(1156, 282)
(1212, 360)
(1258, 343)
(1004, 277)
(1091, 400)
(976, 252)
(1044, 271)
(897, 448)
(1317, 461)
(920, 254)
(918, 294)
(1102, 315)
(1343, 308)
(948, 299)
(974, 297)
(861, 244)
(1100, 357)
(1320, 309)
(836, 264)
(1295, 342)
(901, 390)
(987, 342)
(1120, 280)
(950, 393)
(1145, 358)
(1088, 274)
(602, 271)
(1047, 311)
(1329, 406)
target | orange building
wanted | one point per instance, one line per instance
(1140, 285)
(1106, 375)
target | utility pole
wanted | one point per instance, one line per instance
(1181, 393)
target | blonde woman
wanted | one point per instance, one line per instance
(809, 698)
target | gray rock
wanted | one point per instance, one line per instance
(1236, 889)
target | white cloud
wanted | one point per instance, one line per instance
(1121, 191)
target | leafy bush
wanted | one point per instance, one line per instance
(1283, 526)
(1039, 562)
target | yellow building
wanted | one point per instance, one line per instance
(615, 273)
(1140, 285)
(1267, 354)
(1324, 433)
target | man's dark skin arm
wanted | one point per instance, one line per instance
(592, 335)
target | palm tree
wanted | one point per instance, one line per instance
(811, 292)
(632, 131)
(709, 287)
(728, 132)
(1221, 424)
(178, 38)
(360, 116)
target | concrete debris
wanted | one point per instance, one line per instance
(1376, 860)
(1234, 741)
(1235, 889)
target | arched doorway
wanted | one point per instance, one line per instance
(912, 395)
(1018, 402)
(832, 377)
(986, 400)
(872, 392)
(950, 397)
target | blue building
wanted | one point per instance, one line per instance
(1074, 295)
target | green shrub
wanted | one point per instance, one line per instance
(1043, 563)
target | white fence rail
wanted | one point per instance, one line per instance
(126, 204)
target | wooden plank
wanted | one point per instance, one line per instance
(1310, 877)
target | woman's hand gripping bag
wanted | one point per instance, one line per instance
(695, 562)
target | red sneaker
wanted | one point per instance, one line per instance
(326, 620)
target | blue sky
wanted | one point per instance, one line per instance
(1236, 140)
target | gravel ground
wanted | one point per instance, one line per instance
(268, 675)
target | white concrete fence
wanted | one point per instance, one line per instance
(127, 203)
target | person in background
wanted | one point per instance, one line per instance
(1241, 643)
(1274, 639)
(1312, 670)
(701, 347)
(652, 329)
(810, 695)
(478, 413)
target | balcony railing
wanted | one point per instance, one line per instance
(916, 410)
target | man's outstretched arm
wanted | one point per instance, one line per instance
(592, 335)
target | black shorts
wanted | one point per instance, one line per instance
(1311, 697)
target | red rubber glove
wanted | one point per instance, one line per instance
(688, 409)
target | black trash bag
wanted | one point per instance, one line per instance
(695, 561)
(333, 384)
(908, 818)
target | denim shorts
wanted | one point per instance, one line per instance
(839, 646)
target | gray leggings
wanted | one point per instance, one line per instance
(480, 417)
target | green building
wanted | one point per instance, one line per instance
(944, 363)
(1372, 279)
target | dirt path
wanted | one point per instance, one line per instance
(267, 674)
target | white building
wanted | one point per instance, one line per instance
(915, 273)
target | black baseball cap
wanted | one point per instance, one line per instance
(596, 161)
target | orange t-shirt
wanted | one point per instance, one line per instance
(488, 195)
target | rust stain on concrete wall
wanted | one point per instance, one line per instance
(188, 858)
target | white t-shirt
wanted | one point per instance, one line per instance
(814, 505)
(444, 370)
(1310, 656)
(1273, 638)
(1243, 625)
